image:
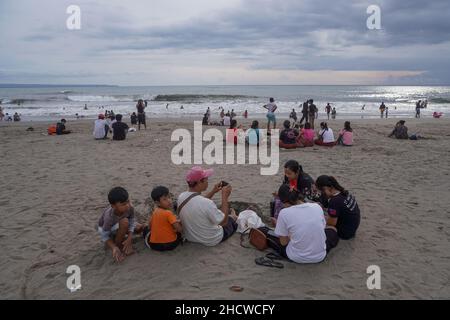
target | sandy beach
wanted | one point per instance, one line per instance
(53, 189)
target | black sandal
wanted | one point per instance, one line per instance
(266, 262)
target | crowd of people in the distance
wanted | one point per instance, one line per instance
(309, 217)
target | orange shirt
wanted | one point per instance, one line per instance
(161, 227)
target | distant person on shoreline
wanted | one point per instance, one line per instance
(245, 114)
(382, 109)
(387, 112)
(328, 110)
(333, 114)
(313, 112)
(141, 114)
(2, 115)
(16, 117)
(293, 115)
(271, 108)
(418, 106)
(305, 112)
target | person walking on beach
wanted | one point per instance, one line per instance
(312, 112)
(305, 112)
(328, 110)
(271, 108)
(382, 109)
(141, 114)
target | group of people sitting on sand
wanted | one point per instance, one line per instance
(301, 136)
(113, 125)
(309, 217)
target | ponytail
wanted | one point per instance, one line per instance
(331, 182)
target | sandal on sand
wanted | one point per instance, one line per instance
(274, 256)
(266, 262)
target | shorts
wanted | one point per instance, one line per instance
(332, 238)
(271, 117)
(229, 229)
(141, 118)
(160, 246)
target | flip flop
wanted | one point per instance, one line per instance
(263, 261)
(274, 256)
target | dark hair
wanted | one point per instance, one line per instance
(287, 124)
(347, 126)
(324, 125)
(288, 195)
(402, 121)
(233, 124)
(117, 195)
(255, 124)
(294, 166)
(271, 99)
(311, 100)
(159, 192)
(112, 117)
(62, 120)
(118, 117)
(307, 125)
(329, 181)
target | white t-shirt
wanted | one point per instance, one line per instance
(328, 135)
(99, 128)
(226, 121)
(305, 225)
(200, 218)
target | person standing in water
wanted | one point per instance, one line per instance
(382, 109)
(328, 110)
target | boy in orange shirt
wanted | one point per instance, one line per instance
(164, 229)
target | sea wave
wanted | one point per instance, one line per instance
(91, 98)
(440, 100)
(199, 97)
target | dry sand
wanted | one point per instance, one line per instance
(54, 188)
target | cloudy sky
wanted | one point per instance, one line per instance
(198, 42)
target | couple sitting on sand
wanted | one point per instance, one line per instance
(199, 220)
(291, 138)
(303, 234)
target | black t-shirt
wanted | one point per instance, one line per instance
(120, 130)
(288, 136)
(60, 128)
(346, 210)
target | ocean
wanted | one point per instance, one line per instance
(52, 102)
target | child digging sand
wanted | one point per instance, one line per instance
(164, 230)
(117, 224)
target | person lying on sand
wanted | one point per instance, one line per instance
(163, 232)
(302, 235)
(117, 224)
(296, 179)
(202, 221)
(343, 210)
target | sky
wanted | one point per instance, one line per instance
(225, 42)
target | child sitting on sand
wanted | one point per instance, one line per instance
(117, 224)
(164, 230)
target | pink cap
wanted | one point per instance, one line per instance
(196, 174)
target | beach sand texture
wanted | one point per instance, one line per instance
(53, 189)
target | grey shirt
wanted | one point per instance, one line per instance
(109, 219)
